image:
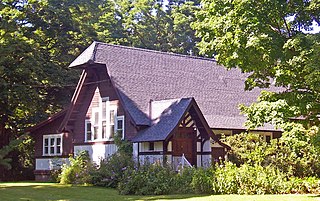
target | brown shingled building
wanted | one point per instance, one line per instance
(167, 105)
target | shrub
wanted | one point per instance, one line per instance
(78, 171)
(202, 180)
(304, 185)
(111, 170)
(183, 180)
(148, 179)
(292, 153)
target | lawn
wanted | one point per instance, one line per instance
(49, 191)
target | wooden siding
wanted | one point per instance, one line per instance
(51, 128)
(98, 79)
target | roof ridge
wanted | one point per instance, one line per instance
(172, 99)
(157, 51)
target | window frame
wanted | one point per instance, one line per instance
(107, 134)
(87, 121)
(55, 145)
(123, 126)
(110, 124)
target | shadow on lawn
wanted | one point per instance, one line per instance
(161, 197)
(55, 192)
(314, 196)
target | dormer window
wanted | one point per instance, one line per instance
(104, 122)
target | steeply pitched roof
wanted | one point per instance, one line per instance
(142, 75)
(166, 115)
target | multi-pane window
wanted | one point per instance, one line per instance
(88, 128)
(52, 145)
(111, 123)
(104, 103)
(96, 125)
(104, 122)
(120, 126)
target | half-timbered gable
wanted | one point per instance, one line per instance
(167, 105)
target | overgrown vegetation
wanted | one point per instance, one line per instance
(254, 167)
(120, 172)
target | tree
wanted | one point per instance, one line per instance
(269, 40)
(36, 44)
(38, 39)
(158, 25)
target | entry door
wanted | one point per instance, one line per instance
(184, 142)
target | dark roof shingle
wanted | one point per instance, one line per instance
(143, 75)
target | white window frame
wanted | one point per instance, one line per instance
(86, 130)
(93, 124)
(104, 99)
(109, 123)
(108, 135)
(49, 137)
(123, 125)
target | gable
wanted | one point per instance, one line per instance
(168, 115)
(143, 75)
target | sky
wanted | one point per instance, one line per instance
(316, 28)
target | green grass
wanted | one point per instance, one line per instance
(48, 191)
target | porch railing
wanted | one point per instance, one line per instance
(181, 163)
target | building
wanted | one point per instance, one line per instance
(167, 105)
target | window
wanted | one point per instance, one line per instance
(104, 103)
(88, 130)
(52, 145)
(268, 138)
(151, 146)
(120, 126)
(95, 124)
(104, 122)
(111, 123)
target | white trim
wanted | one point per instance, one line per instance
(108, 133)
(86, 130)
(114, 108)
(97, 151)
(50, 163)
(95, 124)
(123, 124)
(49, 137)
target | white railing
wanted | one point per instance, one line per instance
(181, 162)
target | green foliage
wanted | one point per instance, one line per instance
(247, 179)
(292, 153)
(124, 146)
(148, 179)
(78, 171)
(304, 185)
(38, 39)
(202, 180)
(5, 161)
(111, 170)
(271, 43)
(183, 180)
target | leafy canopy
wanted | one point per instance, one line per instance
(268, 39)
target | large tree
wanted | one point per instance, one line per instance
(38, 39)
(270, 40)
